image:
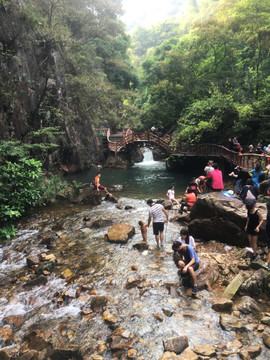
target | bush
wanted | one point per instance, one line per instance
(20, 189)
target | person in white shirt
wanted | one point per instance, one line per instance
(209, 167)
(171, 196)
(185, 238)
(157, 212)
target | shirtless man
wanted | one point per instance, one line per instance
(100, 187)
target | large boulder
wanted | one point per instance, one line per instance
(120, 233)
(215, 216)
(256, 284)
(89, 196)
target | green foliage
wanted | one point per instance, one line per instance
(20, 189)
(52, 187)
(209, 120)
(221, 45)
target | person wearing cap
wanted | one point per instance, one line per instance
(188, 263)
(241, 176)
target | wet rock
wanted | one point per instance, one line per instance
(266, 338)
(14, 320)
(131, 354)
(233, 287)
(39, 280)
(48, 240)
(247, 305)
(112, 199)
(106, 316)
(141, 246)
(255, 284)
(231, 323)
(253, 351)
(205, 350)
(102, 348)
(169, 355)
(128, 207)
(67, 273)
(89, 196)
(167, 312)
(167, 204)
(266, 320)
(119, 343)
(133, 281)
(188, 354)
(5, 333)
(120, 233)
(36, 341)
(158, 317)
(33, 260)
(244, 355)
(222, 305)
(30, 355)
(47, 257)
(98, 302)
(58, 226)
(48, 266)
(69, 294)
(101, 223)
(134, 267)
(176, 344)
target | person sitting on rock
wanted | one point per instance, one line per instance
(215, 179)
(189, 201)
(100, 187)
(171, 196)
(193, 186)
(188, 263)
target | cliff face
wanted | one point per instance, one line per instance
(34, 96)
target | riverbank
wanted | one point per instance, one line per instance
(65, 292)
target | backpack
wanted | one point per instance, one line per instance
(250, 196)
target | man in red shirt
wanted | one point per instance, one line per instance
(215, 181)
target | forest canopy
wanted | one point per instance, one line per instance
(210, 78)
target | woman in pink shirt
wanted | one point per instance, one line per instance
(215, 177)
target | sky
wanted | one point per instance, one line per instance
(148, 12)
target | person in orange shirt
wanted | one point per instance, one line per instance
(189, 201)
(100, 187)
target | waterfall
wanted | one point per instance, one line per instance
(147, 155)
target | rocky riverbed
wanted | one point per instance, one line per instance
(68, 292)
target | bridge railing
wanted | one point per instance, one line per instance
(246, 161)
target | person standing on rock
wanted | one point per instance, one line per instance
(188, 263)
(254, 222)
(100, 187)
(157, 212)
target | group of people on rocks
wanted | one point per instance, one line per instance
(247, 184)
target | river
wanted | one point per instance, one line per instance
(56, 302)
(146, 179)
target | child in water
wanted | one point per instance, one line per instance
(143, 228)
(185, 238)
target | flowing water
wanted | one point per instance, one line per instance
(59, 306)
(146, 179)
